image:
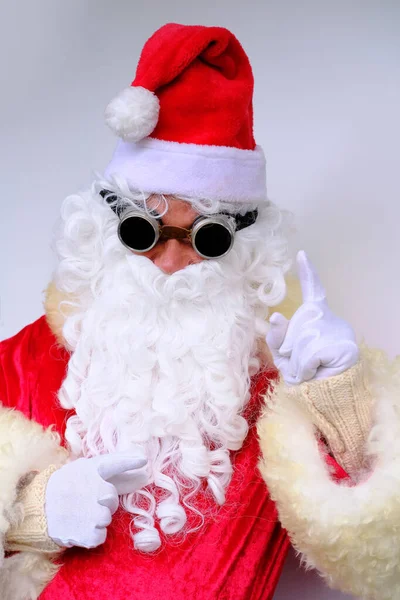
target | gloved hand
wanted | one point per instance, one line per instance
(82, 496)
(315, 343)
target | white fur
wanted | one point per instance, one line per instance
(164, 361)
(349, 532)
(133, 114)
(215, 172)
(25, 575)
(24, 447)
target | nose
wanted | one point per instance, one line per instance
(172, 255)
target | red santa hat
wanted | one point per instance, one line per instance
(186, 121)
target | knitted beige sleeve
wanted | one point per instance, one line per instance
(30, 531)
(340, 408)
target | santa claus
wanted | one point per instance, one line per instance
(129, 465)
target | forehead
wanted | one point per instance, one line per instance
(179, 212)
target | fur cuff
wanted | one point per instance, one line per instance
(351, 534)
(24, 447)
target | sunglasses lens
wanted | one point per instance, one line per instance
(137, 233)
(213, 240)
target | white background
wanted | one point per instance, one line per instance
(327, 113)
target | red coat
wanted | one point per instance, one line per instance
(237, 555)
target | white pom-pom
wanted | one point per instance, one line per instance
(133, 114)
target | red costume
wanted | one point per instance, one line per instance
(238, 554)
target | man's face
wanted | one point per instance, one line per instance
(172, 255)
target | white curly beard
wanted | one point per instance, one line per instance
(160, 361)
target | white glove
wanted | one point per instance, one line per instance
(82, 496)
(315, 343)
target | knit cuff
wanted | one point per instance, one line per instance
(30, 533)
(340, 408)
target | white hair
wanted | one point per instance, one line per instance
(125, 196)
(163, 361)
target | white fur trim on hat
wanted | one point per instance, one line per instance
(213, 172)
(133, 114)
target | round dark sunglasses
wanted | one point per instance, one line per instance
(211, 236)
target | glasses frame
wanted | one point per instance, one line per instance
(231, 222)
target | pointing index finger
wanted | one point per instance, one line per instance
(311, 286)
(109, 465)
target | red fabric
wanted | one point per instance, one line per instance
(203, 79)
(337, 472)
(237, 555)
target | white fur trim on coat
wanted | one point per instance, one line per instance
(212, 172)
(24, 447)
(349, 532)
